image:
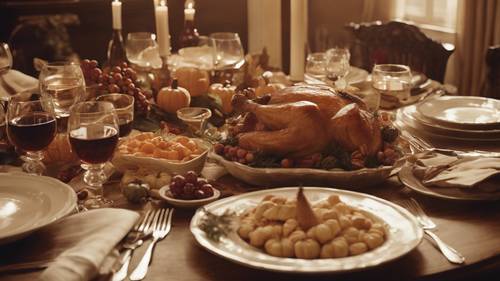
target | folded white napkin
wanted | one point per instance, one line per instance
(75, 247)
(450, 171)
(15, 82)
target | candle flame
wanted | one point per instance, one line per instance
(189, 4)
(163, 3)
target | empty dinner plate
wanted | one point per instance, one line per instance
(29, 202)
(462, 112)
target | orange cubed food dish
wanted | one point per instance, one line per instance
(151, 145)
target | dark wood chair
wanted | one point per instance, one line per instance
(493, 78)
(400, 43)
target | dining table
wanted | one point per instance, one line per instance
(472, 228)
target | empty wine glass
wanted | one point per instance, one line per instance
(93, 134)
(392, 81)
(142, 50)
(31, 127)
(65, 84)
(227, 50)
(5, 58)
(124, 106)
(337, 65)
(315, 67)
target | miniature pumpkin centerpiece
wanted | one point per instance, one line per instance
(196, 81)
(225, 93)
(173, 98)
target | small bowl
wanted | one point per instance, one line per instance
(188, 204)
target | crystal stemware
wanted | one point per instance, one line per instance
(337, 65)
(93, 134)
(65, 84)
(31, 127)
(124, 106)
(5, 58)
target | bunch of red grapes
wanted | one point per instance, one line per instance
(189, 187)
(118, 79)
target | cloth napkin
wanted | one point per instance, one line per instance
(14, 82)
(74, 248)
(451, 171)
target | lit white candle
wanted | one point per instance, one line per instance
(116, 8)
(298, 39)
(162, 32)
(189, 11)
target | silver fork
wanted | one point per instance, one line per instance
(161, 227)
(427, 224)
(133, 240)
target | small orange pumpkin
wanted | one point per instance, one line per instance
(195, 80)
(225, 93)
(173, 98)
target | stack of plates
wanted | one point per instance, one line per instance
(452, 117)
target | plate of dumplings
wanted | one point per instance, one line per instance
(310, 230)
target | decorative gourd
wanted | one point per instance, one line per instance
(196, 81)
(59, 151)
(173, 98)
(265, 87)
(225, 93)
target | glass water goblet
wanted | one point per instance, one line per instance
(315, 68)
(65, 84)
(142, 50)
(227, 50)
(124, 106)
(337, 66)
(5, 58)
(93, 134)
(31, 127)
(392, 81)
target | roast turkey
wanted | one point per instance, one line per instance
(302, 120)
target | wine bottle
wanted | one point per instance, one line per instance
(116, 49)
(189, 36)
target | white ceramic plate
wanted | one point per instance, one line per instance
(403, 233)
(293, 176)
(188, 204)
(462, 112)
(409, 116)
(462, 194)
(29, 202)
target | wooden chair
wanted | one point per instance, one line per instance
(400, 43)
(493, 78)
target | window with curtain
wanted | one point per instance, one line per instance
(439, 13)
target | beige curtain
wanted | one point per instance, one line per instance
(478, 28)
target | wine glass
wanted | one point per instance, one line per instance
(124, 106)
(227, 51)
(65, 84)
(5, 58)
(93, 135)
(315, 67)
(392, 81)
(142, 50)
(31, 127)
(337, 65)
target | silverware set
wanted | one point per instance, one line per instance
(156, 224)
(428, 225)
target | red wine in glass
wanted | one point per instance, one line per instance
(33, 131)
(94, 144)
(125, 127)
